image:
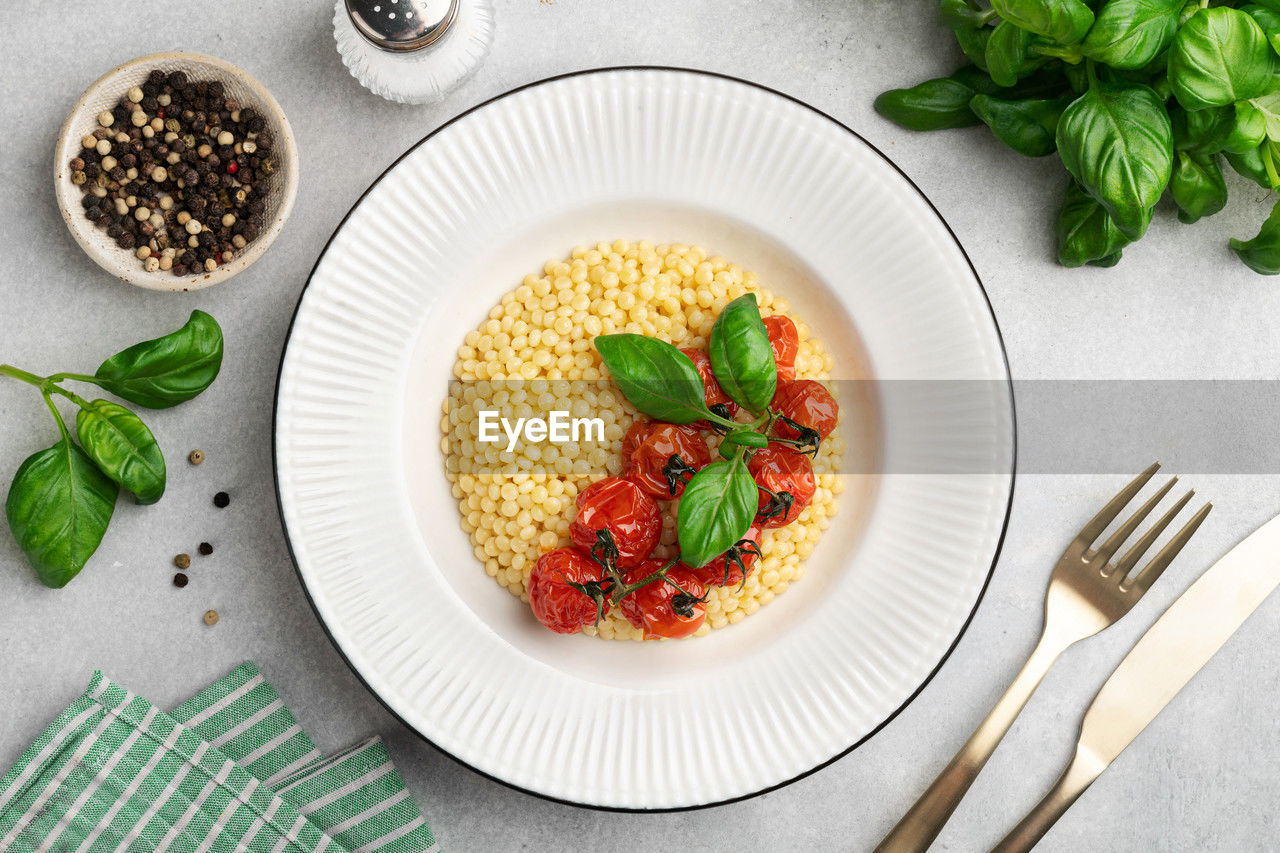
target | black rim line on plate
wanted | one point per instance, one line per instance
(995, 557)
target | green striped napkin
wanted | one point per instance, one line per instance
(229, 770)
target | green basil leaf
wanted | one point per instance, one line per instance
(745, 438)
(1008, 50)
(657, 378)
(1063, 21)
(1268, 110)
(58, 507)
(1027, 127)
(121, 445)
(1249, 127)
(1268, 19)
(1085, 231)
(168, 370)
(1116, 140)
(1202, 131)
(1131, 33)
(716, 510)
(1250, 165)
(935, 104)
(1197, 186)
(1262, 253)
(1219, 56)
(741, 357)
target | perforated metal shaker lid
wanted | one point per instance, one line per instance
(402, 25)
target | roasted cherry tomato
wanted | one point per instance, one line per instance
(667, 456)
(658, 608)
(807, 403)
(741, 556)
(714, 393)
(631, 517)
(559, 606)
(785, 341)
(632, 439)
(788, 485)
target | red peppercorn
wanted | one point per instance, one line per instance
(160, 112)
(233, 167)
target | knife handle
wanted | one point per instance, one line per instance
(922, 823)
(1073, 782)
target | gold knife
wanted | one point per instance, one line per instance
(1176, 647)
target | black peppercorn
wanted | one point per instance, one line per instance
(114, 230)
(179, 269)
(126, 241)
(221, 500)
(149, 104)
(180, 580)
(205, 549)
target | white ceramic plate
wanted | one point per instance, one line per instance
(666, 155)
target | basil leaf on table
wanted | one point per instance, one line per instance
(1197, 186)
(1248, 129)
(1086, 232)
(1117, 141)
(716, 510)
(1063, 21)
(1262, 253)
(936, 104)
(1131, 33)
(741, 357)
(1008, 51)
(169, 370)
(58, 508)
(1027, 127)
(121, 445)
(969, 26)
(657, 378)
(1220, 56)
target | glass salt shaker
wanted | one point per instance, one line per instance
(412, 51)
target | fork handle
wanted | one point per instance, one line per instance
(1078, 776)
(922, 823)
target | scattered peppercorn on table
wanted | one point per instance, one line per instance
(1178, 306)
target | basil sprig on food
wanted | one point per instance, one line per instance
(62, 498)
(1139, 97)
(721, 499)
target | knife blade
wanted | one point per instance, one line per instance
(1168, 656)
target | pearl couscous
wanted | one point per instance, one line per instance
(534, 355)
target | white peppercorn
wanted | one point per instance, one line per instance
(173, 158)
(143, 252)
(142, 213)
(159, 174)
(135, 94)
(109, 162)
(106, 119)
(204, 151)
(250, 146)
(121, 207)
(238, 241)
(157, 124)
(164, 99)
(131, 173)
(226, 138)
(210, 265)
(139, 118)
(183, 217)
(166, 263)
(193, 226)
(147, 132)
(228, 219)
(166, 202)
(151, 264)
(102, 146)
(88, 141)
(156, 220)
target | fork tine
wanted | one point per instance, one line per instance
(1134, 554)
(1108, 513)
(1108, 549)
(1151, 571)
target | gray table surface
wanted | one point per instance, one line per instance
(1204, 776)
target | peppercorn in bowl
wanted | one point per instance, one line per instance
(175, 171)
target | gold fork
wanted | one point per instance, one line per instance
(1087, 592)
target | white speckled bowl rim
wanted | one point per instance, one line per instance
(103, 94)
(408, 624)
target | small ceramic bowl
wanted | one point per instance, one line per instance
(280, 190)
